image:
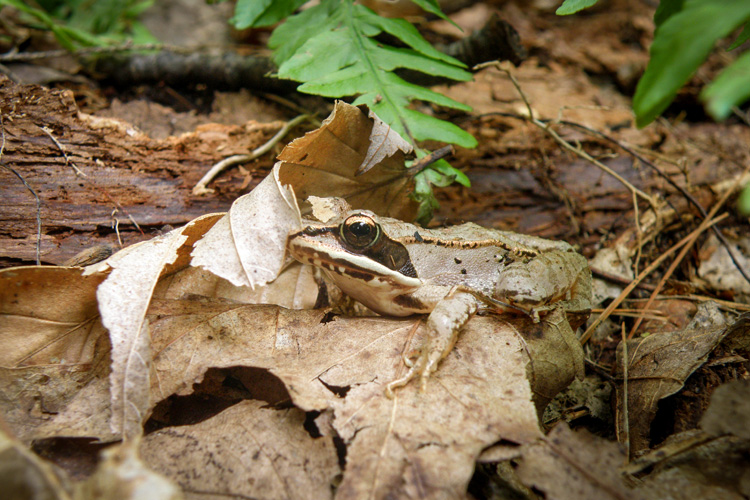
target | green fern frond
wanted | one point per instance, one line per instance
(331, 50)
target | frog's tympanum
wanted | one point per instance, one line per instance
(399, 269)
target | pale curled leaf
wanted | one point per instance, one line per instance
(247, 246)
(384, 142)
(122, 475)
(123, 300)
(325, 209)
(246, 451)
(294, 288)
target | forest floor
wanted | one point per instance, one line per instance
(111, 165)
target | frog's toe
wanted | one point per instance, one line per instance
(400, 382)
(417, 366)
(411, 358)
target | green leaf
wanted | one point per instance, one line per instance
(680, 45)
(256, 13)
(407, 33)
(572, 6)
(343, 60)
(140, 34)
(138, 8)
(62, 38)
(290, 36)
(743, 202)
(89, 22)
(423, 194)
(447, 169)
(731, 88)
(666, 9)
(83, 37)
(433, 7)
(741, 38)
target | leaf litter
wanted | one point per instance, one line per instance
(196, 325)
(165, 336)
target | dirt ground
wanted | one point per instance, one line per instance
(91, 164)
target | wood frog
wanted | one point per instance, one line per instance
(399, 269)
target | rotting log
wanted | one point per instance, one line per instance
(95, 177)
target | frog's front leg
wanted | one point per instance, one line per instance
(443, 325)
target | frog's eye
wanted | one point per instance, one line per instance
(360, 231)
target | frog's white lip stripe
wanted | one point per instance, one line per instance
(355, 266)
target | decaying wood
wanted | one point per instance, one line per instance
(123, 176)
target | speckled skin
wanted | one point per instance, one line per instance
(446, 272)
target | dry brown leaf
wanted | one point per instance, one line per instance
(323, 163)
(122, 475)
(574, 465)
(415, 444)
(658, 367)
(247, 451)
(718, 269)
(712, 463)
(555, 353)
(53, 344)
(58, 305)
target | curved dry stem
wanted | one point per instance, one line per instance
(200, 188)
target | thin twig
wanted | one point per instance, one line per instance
(31, 190)
(691, 199)
(565, 144)
(78, 172)
(632, 151)
(200, 188)
(623, 295)
(424, 162)
(625, 418)
(283, 101)
(677, 261)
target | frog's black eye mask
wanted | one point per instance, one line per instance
(360, 234)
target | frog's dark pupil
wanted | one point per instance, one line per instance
(360, 229)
